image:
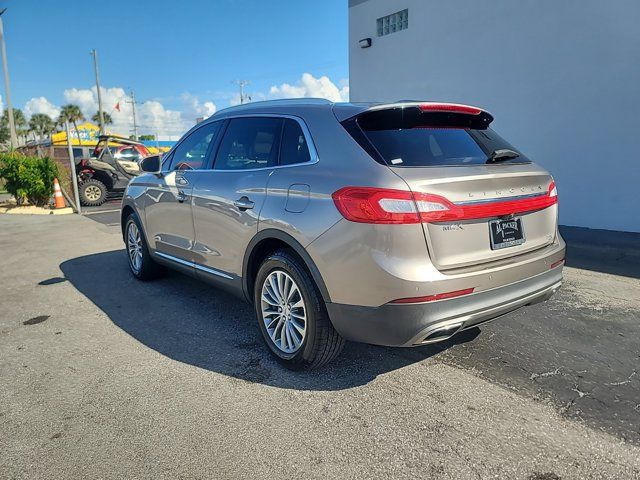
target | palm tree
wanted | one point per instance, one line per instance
(71, 113)
(18, 119)
(107, 118)
(41, 124)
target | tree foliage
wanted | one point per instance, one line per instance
(71, 113)
(20, 123)
(107, 118)
(41, 124)
(146, 138)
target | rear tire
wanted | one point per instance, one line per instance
(93, 193)
(292, 315)
(142, 266)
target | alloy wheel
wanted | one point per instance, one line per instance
(283, 311)
(134, 246)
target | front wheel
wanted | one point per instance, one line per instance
(291, 314)
(92, 193)
(141, 264)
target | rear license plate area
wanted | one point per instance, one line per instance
(505, 233)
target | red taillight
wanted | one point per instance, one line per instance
(376, 205)
(499, 208)
(432, 298)
(380, 205)
(449, 107)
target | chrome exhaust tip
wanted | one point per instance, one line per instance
(442, 333)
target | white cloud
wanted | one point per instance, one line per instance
(310, 86)
(151, 115)
(154, 118)
(194, 108)
(253, 97)
(41, 105)
(307, 86)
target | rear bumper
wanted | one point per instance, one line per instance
(409, 325)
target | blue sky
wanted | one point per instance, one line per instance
(177, 56)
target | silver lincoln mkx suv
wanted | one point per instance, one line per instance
(393, 224)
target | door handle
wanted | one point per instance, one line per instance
(243, 203)
(181, 196)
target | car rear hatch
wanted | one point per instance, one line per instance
(478, 198)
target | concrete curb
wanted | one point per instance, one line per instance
(30, 210)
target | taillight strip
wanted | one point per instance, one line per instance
(380, 205)
(492, 200)
(433, 298)
(501, 207)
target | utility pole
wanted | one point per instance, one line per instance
(7, 92)
(72, 165)
(242, 84)
(94, 54)
(135, 122)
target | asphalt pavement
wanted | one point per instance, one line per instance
(108, 213)
(102, 376)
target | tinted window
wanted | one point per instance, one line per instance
(409, 137)
(249, 143)
(294, 147)
(191, 153)
(419, 147)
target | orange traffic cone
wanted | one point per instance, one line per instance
(57, 194)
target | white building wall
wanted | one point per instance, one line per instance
(561, 77)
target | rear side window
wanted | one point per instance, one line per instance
(294, 148)
(249, 143)
(409, 138)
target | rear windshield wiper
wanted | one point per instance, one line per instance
(502, 155)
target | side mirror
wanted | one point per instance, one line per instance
(152, 164)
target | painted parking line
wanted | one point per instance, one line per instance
(101, 211)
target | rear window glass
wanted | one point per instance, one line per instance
(409, 138)
(419, 147)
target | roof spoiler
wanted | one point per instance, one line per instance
(429, 114)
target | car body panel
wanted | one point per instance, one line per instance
(168, 221)
(461, 243)
(371, 265)
(222, 230)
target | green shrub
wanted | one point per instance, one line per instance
(28, 178)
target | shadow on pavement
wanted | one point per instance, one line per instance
(616, 253)
(191, 322)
